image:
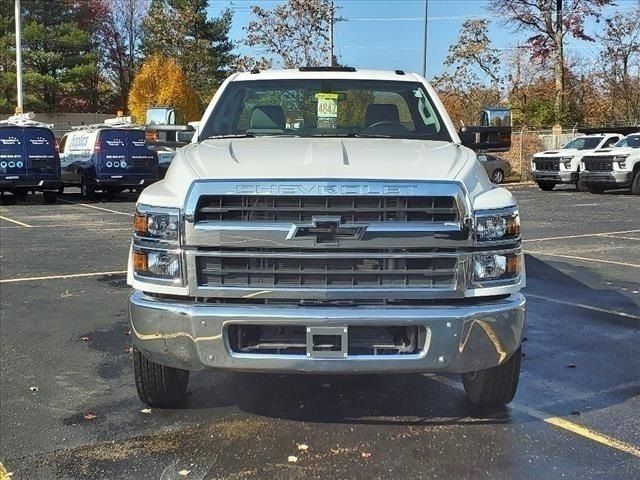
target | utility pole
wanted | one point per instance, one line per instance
(426, 38)
(331, 23)
(18, 57)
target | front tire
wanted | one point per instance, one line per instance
(49, 196)
(159, 385)
(580, 186)
(494, 386)
(546, 186)
(635, 185)
(87, 190)
(595, 189)
(497, 176)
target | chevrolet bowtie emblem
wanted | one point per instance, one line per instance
(327, 230)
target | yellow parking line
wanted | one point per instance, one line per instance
(22, 224)
(527, 240)
(558, 422)
(582, 305)
(4, 475)
(583, 259)
(58, 277)
(97, 208)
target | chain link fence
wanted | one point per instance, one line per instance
(525, 142)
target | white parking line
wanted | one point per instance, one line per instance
(584, 306)
(601, 234)
(58, 277)
(559, 422)
(583, 259)
(22, 224)
(624, 238)
(97, 208)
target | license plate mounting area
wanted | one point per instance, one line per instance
(327, 342)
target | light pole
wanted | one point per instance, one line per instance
(426, 37)
(18, 57)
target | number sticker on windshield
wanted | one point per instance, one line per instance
(327, 105)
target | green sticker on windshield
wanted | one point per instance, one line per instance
(327, 105)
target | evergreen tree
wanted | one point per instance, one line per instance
(60, 62)
(181, 29)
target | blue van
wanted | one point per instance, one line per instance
(29, 160)
(110, 159)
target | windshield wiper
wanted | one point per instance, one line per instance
(232, 135)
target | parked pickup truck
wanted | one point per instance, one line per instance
(617, 167)
(555, 167)
(328, 221)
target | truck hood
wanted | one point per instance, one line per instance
(614, 151)
(337, 158)
(561, 152)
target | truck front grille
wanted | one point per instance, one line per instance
(292, 208)
(598, 164)
(326, 270)
(548, 164)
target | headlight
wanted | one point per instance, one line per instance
(496, 266)
(157, 264)
(567, 161)
(621, 159)
(498, 225)
(163, 224)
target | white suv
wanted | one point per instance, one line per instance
(613, 168)
(563, 166)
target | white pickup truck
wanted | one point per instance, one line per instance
(617, 167)
(554, 167)
(328, 220)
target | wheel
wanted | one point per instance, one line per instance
(635, 185)
(159, 385)
(61, 190)
(50, 196)
(87, 190)
(595, 188)
(580, 186)
(20, 193)
(546, 186)
(497, 176)
(494, 386)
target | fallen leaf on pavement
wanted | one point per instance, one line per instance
(34, 389)
(146, 410)
(184, 473)
(303, 447)
(89, 416)
(292, 459)
(85, 339)
(365, 454)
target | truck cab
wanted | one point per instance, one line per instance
(29, 159)
(363, 236)
(616, 167)
(110, 157)
(562, 166)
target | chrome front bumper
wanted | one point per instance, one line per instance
(613, 178)
(460, 338)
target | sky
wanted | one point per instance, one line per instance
(389, 34)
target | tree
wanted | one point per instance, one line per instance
(180, 29)
(118, 26)
(162, 82)
(475, 82)
(296, 31)
(60, 62)
(619, 58)
(550, 21)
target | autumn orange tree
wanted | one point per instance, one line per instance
(162, 82)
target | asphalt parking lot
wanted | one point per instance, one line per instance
(70, 410)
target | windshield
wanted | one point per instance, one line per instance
(632, 141)
(328, 108)
(584, 143)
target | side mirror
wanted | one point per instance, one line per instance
(486, 139)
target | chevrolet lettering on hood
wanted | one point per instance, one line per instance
(325, 189)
